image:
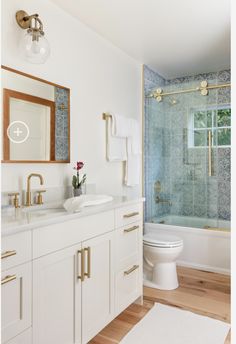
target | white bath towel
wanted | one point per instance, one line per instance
(75, 204)
(116, 146)
(133, 163)
(124, 144)
(121, 126)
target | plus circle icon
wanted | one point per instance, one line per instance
(18, 131)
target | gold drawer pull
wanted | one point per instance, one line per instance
(8, 254)
(81, 277)
(8, 279)
(127, 272)
(88, 273)
(126, 216)
(130, 229)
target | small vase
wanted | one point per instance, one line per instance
(77, 192)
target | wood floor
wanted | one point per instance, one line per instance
(201, 292)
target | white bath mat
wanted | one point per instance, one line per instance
(170, 325)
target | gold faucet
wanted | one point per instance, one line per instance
(28, 193)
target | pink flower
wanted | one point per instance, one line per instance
(79, 165)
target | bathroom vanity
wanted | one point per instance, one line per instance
(66, 276)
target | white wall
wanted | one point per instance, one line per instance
(101, 78)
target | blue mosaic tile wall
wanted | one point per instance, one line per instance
(61, 125)
(182, 170)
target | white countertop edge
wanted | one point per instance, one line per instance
(118, 202)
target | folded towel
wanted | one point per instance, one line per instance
(124, 144)
(75, 204)
(133, 163)
(116, 146)
(132, 167)
(121, 126)
(135, 137)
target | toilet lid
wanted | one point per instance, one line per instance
(162, 240)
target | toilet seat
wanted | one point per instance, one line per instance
(162, 240)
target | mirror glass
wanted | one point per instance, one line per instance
(36, 118)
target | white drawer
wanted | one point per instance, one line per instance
(23, 338)
(128, 285)
(55, 237)
(16, 290)
(128, 214)
(16, 249)
(128, 240)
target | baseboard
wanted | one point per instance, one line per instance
(204, 267)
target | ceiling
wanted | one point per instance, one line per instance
(175, 38)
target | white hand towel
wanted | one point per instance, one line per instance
(133, 170)
(116, 146)
(75, 204)
(121, 126)
(135, 137)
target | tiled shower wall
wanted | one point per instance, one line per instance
(182, 170)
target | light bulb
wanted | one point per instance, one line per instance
(35, 49)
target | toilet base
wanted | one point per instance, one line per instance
(163, 276)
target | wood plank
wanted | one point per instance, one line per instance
(201, 292)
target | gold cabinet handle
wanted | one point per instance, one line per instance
(209, 153)
(127, 272)
(88, 273)
(131, 229)
(8, 254)
(8, 279)
(131, 214)
(81, 277)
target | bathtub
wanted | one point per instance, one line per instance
(204, 249)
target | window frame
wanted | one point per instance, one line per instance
(212, 128)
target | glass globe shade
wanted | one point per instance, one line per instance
(35, 51)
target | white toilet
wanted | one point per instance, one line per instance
(160, 252)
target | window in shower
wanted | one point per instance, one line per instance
(218, 121)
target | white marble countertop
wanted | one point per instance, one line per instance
(22, 219)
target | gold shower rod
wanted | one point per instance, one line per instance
(203, 89)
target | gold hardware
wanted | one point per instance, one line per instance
(105, 116)
(130, 229)
(127, 272)
(22, 19)
(8, 254)
(163, 201)
(221, 229)
(157, 186)
(88, 273)
(131, 214)
(28, 193)
(8, 279)
(209, 153)
(15, 199)
(203, 89)
(40, 197)
(25, 22)
(81, 277)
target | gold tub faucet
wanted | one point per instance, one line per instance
(28, 192)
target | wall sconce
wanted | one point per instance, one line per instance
(34, 45)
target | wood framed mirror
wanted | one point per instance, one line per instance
(36, 119)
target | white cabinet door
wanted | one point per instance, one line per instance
(98, 286)
(57, 298)
(16, 290)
